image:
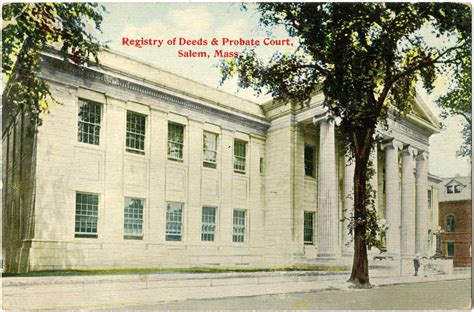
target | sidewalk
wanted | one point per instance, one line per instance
(114, 290)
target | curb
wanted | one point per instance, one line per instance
(124, 290)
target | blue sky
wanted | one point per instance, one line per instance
(216, 20)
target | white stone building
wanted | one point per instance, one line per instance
(142, 168)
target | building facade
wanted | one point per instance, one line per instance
(139, 167)
(455, 220)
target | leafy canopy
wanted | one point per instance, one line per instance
(458, 101)
(27, 29)
(365, 56)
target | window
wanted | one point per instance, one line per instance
(208, 223)
(239, 156)
(174, 213)
(457, 188)
(449, 189)
(430, 240)
(308, 227)
(87, 206)
(450, 224)
(429, 199)
(135, 142)
(238, 228)
(450, 249)
(133, 218)
(261, 165)
(309, 161)
(175, 141)
(89, 122)
(210, 149)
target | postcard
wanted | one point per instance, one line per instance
(236, 156)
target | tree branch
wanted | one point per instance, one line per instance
(422, 64)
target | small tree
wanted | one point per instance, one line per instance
(27, 29)
(368, 58)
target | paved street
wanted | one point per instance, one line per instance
(432, 295)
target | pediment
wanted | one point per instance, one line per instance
(421, 112)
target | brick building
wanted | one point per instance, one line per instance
(143, 168)
(455, 211)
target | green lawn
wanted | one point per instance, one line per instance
(75, 272)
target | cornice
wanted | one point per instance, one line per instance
(152, 91)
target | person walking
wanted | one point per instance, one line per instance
(416, 264)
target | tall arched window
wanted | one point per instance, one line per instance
(450, 223)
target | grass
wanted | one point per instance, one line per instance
(79, 272)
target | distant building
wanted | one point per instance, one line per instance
(142, 168)
(455, 219)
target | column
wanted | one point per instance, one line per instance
(328, 212)
(392, 200)
(407, 234)
(348, 247)
(421, 202)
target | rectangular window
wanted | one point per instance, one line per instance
(133, 218)
(240, 150)
(261, 165)
(450, 249)
(210, 150)
(87, 206)
(449, 189)
(208, 226)
(429, 199)
(89, 122)
(174, 221)
(135, 141)
(175, 141)
(309, 161)
(238, 226)
(457, 188)
(308, 227)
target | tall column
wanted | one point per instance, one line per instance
(421, 203)
(328, 212)
(392, 199)
(348, 248)
(407, 234)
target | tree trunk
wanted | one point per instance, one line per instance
(360, 266)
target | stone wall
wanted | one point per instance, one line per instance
(108, 170)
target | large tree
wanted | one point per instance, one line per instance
(367, 57)
(26, 30)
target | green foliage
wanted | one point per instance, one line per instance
(458, 100)
(366, 55)
(27, 29)
(375, 230)
(374, 225)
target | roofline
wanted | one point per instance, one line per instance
(128, 57)
(432, 124)
(434, 177)
(454, 179)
